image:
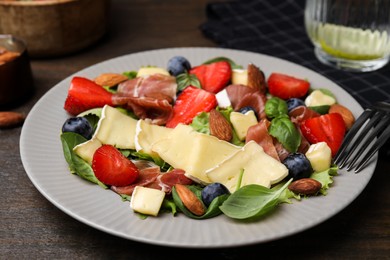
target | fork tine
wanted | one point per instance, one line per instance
(378, 144)
(351, 133)
(346, 154)
(377, 130)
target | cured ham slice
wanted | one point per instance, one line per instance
(169, 179)
(156, 86)
(241, 96)
(146, 177)
(149, 97)
(301, 113)
(156, 110)
(259, 134)
(151, 177)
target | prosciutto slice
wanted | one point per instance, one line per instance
(156, 86)
(241, 96)
(149, 97)
(156, 110)
(146, 177)
(301, 113)
(259, 134)
(152, 177)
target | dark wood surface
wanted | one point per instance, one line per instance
(32, 228)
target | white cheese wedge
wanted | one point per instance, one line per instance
(146, 71)
(116, 128)
(223, 99)
(239, 76)
(147, 200)
(320, 156)
(259, 168)
(318, 98)
(87, 149)
(193, 152)
(147, 134)
(242, 122)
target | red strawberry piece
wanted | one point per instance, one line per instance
(189, 104)
(84, 94)
(285, 86)
(213, 77)
(112, 168)
(329, 128)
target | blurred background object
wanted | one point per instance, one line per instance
(16, 82)
(54, 27)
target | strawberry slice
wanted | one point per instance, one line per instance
(189, 104)
(213, 77)
(329, 128)
(112, 168)
(285, 86)
(84, 94)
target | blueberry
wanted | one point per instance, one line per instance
(78, 125)
(293, 103)
(212, 191)
(178, 65)
(298, 166)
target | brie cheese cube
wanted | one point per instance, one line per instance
(240, 77)
(147, 134)
(242, 122)
(223, 99)
(116, 128)
(147, 200)
(320, 156)
(193, 152)
(146, 71)
(258, 168)
(318, 98)
(87, 149)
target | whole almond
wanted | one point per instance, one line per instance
(305, 186)
(11, 119)
(189, 199)
(110, 79)
(256, 78)
(220, 126)
(347, 115)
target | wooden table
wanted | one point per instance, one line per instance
(31, 227)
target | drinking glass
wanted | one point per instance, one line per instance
(353, 35)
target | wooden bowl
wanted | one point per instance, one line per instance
(54, 27)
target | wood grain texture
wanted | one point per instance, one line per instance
(32, 228)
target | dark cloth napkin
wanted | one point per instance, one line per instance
(276, 28)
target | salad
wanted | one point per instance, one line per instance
(215, 138)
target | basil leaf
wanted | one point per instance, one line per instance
(285, 131)
(77, 165)
(275, 107)
(184, 80)
(233, 65)
(252, 201)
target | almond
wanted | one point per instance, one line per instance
(305, 186)
(110, 79)
(11, 119)
(347, 115)
(256, 78)
(189, 199)
(220, 126)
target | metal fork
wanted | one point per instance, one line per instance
(373, 123)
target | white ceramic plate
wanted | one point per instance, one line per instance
(43, 160)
